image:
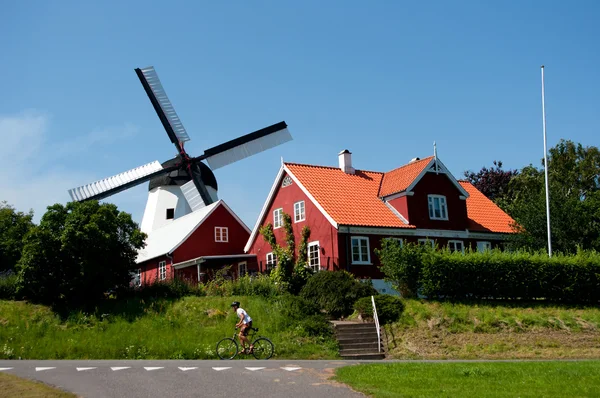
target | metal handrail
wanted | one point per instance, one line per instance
(376, 318)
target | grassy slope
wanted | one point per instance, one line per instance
(433, 330)
(13, 386)
(185, 329)
(498, 379)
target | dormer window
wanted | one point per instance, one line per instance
(437, 207)
(287, 181)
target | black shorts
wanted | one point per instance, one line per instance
(246, 328)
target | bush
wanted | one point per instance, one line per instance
(8, 286)
(515, 276)
(389, 308)
(335, 292)
(402, 265)
(172, 288)
(305, 314)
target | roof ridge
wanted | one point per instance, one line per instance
(428, 158)
(329, 167)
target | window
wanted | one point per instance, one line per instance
(456, 246)
(400, 241)
(170, 214)
(278, 218)
(242, 269)
(437, 207)
(162, 270)
(271, 261)
(137, 278)
(287, 181)
(299, 211)
(313, 256)
(483, 246)
(360, 250)
(427, 242)
(221, 234)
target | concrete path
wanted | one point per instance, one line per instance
(162, 378)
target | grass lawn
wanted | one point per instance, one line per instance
(482, 379)
(13, 386)
(188, 328)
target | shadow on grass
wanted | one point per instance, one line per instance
(518, 304)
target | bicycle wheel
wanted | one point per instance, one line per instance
(227, 348)
(263, 348)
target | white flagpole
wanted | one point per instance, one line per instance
(546, 166)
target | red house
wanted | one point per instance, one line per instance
(194, 246)
(349, 211)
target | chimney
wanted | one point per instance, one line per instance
(345, 159)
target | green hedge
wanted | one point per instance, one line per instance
(493, 274)
(519, 275)
(389, 308)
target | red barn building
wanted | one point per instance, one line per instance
(194, 246)
(349, 211)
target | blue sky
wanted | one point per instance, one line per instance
(383, 79)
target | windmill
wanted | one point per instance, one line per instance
(183, 184)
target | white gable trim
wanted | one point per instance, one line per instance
(270, 198)
(396, 212)
(265, 207)
(398, 195)
(445, 170)
(235, 216)
(219, 203)
(312, 199)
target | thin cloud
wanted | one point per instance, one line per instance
(31, 176)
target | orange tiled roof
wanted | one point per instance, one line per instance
(399, 179)
(348, 199)
(483, 214)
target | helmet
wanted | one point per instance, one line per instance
(235, 304)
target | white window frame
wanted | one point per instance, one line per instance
(221, 234)
(278, 218)
(360, 253)
(242, 269)
(317, 266)
(400, 240)
(425, 241)
(299, 211)
(431, 199)
(272, 263)
(456, 242)
(162, 270)
(137, 281)
(484, 245)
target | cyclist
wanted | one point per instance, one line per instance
(245, 324)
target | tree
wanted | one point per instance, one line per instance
(492, 182)
(78, 253)
(14, 226)
(574, 180)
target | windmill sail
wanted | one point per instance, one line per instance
(109, 186)
(162, 105)
(247, 145)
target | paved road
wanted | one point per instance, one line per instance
(248, 378)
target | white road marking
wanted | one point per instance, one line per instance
(186, 369)
(1, 369)
(153, 368)
(219, 369)
(121, 367)
(80, 369)
(289, 368)
(41, 369)
(253, 369)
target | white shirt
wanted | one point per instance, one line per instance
(240, 311)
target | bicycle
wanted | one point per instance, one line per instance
(228, 347)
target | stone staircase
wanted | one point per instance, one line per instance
(357, 340)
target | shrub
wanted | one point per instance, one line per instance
(402, 265)
(260, 285)
(8, 286)
(335, 292)
(172, 288)
(305, 314)
(389, 308)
